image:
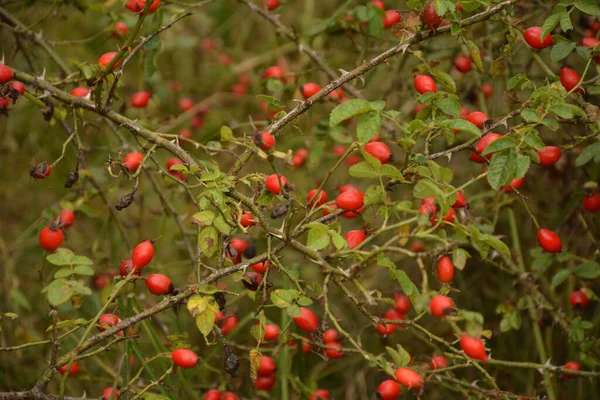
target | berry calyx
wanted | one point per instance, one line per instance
(380, 151)
(307, 321)
(424, 84)
(445, 269)
(140, 99)
(549, 241)
(473, 347)
(408, 378)
(142, 254)
(51, 238)
(184, 358)
(272, 183)
(578, 299)
(533, 37)
(350, 201)
(388, 390)
(159, 284)
(440, 306)
(549, 155)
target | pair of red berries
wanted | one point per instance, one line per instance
(266, 369)
(320, 394)
(137, 6)
(214, 394)
(333, 347)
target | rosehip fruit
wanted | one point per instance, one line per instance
(445, 269)
(159, 284)
(440, 306)
(578, 299)
(380, 151)
(549, 241)
(533, 37)
(51, 238)
(184, 358)
(424, 84)
(409, 378)
(473, 347)
(307, 321)
(272, 183)
(388, 390)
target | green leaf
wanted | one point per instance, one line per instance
(221, 225)
(588, 270)
(208, 240)
(561, 50)
(588, 154)
(503, 143)
(449, 105)
(304, 301)
(522, 166)
(318, 238)
(376, 25)
(590, 7)
(496, 243)
(348, 110)
(391, 172)
(338, 240)
(444, 79)
(562, 110)
(59, 292)
(61, 257)
(584, 52)
(363, 170)
(84, 270)
(530, 115)
(475, 54)
(459, 258)
(284, 298)
(408, 287)
(68, 323)
(379, 105)
(560, 277)
(400, 356)
(501, 168)
(425, 188)
(226, 134)
(440, 7)
(204, 218)
(533, 139)
(374, 195)
(63, 273)
(462, 125)
(206, 319)
(549, 24)
(369, 125)
(565, 22)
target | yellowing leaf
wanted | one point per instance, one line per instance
(255, 356)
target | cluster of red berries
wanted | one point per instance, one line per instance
(52, 236)
(7, 75)
(214, 394)
(266, 374)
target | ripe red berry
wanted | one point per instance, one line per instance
(331, 335)
(445, 269)
(6, 74)
(352, 159)
(240, 245)
(4, 102)
(107, 321)
(265, 141)
(380, 151)
(473, 347)
(309, 89)
(247, 220)
(409, 378)
(264, 382)
(438, 362)
(272, 183)
(142, 254)
(390, 18)
(252, 281)
(260, 267)
(463, 64)
(320, 394)
(230, 396)
(424, 84)
(460, 201)
(271, 4)
(549, 155)
(300, 157)
(440, 306)
(393, 314)
(126, 267)
(51, 238)
(274, 72)
(385, 329)
(74, 370)
(487, 90)
(533, 37)
(174, 173)
(106, 58)
(348, 188)
(569, 78)
(388, 390)
(336, 94)
(80, 91)
(578, 299)
(271, 332)
(119, 30)
(481, 145)
(316, 197)
(592, 42)
(591, 202)
(350, 201)
(515, 183)
(549, 241)
(228, 324)
(159, 284)
(449, 217)
(430, 210)
(212, 394)
(335, 352)
(355, 237)
(140, 99)
(573, 366)
(137, 6)
(184, 358)
(110, 394)
(430, 17)
(477, 118)
(379, 4)
(186, 104)
(402, 303)
(66, 218)
(18, 86)
(132, 161)
(267, 366)
(307, 321)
